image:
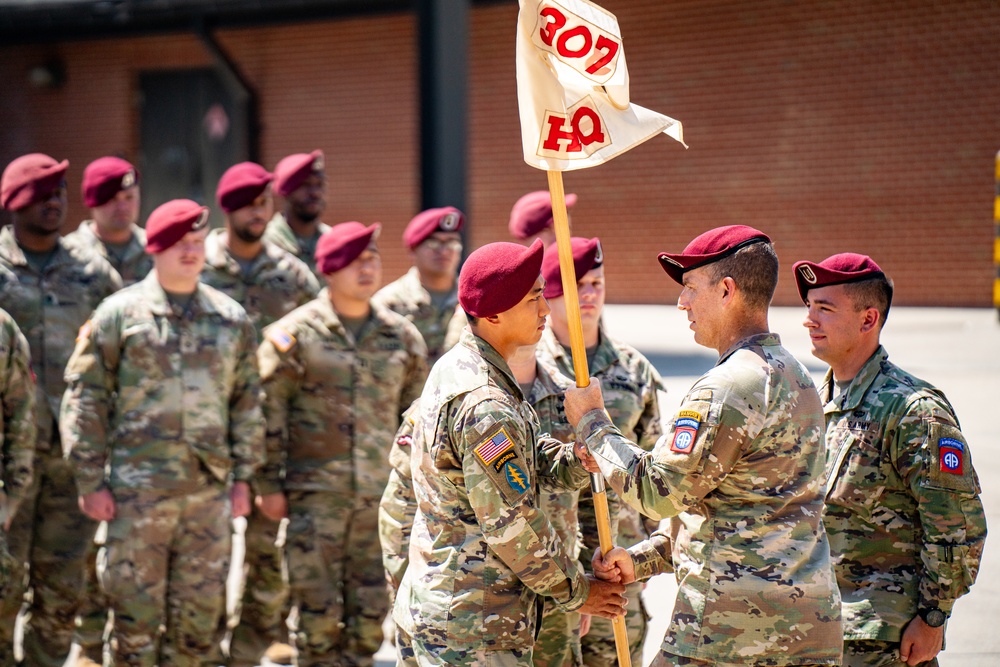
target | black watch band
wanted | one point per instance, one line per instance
(934, 618)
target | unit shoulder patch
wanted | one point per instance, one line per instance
(281, 339)
(685, 431)
(493, 447)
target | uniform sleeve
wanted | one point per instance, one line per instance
(652, 556)
(398, 507)
(246, 421)
(501, 487)
(19, 430)
(558, 465)
(91, 382)
(702, 444)
(281, 375)
(931, 454)
(309, 286)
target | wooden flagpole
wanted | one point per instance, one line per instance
(568, 273)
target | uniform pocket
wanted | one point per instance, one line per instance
(857, 481)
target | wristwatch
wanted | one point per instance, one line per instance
(934, 618)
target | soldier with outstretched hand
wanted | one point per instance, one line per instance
(481, 551)
(738, 472)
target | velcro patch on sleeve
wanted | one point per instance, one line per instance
(493, 447)
(685, 431)
(281, 339)
(951, 456)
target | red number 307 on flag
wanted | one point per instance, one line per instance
(582, 45)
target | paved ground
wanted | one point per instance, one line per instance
(956, 349)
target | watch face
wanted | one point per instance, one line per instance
(934, 618)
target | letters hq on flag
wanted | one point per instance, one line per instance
(572, 88)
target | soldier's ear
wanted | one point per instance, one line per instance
(871, 321)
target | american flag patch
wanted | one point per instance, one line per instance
(489, 450)
(281, 339)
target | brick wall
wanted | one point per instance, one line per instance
(862, 125)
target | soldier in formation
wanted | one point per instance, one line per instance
(739, 472)
(17, 443)
(269, 283)
(111, 191)
(903, 513)
(631, 388)
(162, 423)
(531, 218)
(338, 373)
(481, 550)
(50, 288)
(301, 179)
(427, 294)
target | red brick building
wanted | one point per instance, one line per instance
(864, 125)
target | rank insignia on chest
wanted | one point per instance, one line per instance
(490, 449)
(685, 431)
(281, 339)
(516, 478)
(951, 456)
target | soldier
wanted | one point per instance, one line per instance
(269, 283)
(301, 180)
(739, 471)
(111, 192)
(50, 289)
(903, 513)
(427, 294)
(481, 549)
(338, 373)
(630, 385)
(531, 217)
(17, 444)
(161, 411)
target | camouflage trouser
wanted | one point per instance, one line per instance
(871, 653)
(664, 659)
(167, 560)
(558, 640)
(598, 645)
(92, 618)
(264, 607)
(336, 578)
(410, 653)
(52, 535)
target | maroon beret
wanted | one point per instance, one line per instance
(713, 245)
(293, 170)
(447, 219)
(104, 178)
(846, 267)
(532, 213)
(587, 255)
(342, 244)
(497, 276)
(241, 185)
(30, 179)
(169, 222)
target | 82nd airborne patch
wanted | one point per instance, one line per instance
(685, 431)
(951, 456)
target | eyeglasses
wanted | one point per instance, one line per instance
(439, 244)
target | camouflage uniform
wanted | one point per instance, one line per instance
(740, 470)
(49, 530)
(280, 234)
(132, 265)
(162, 407)
(333, 405)
(398, 506)
(630, 385)
(277, 283)
(17, 442)
(906, 530)
(410, 299)
(480, 550)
